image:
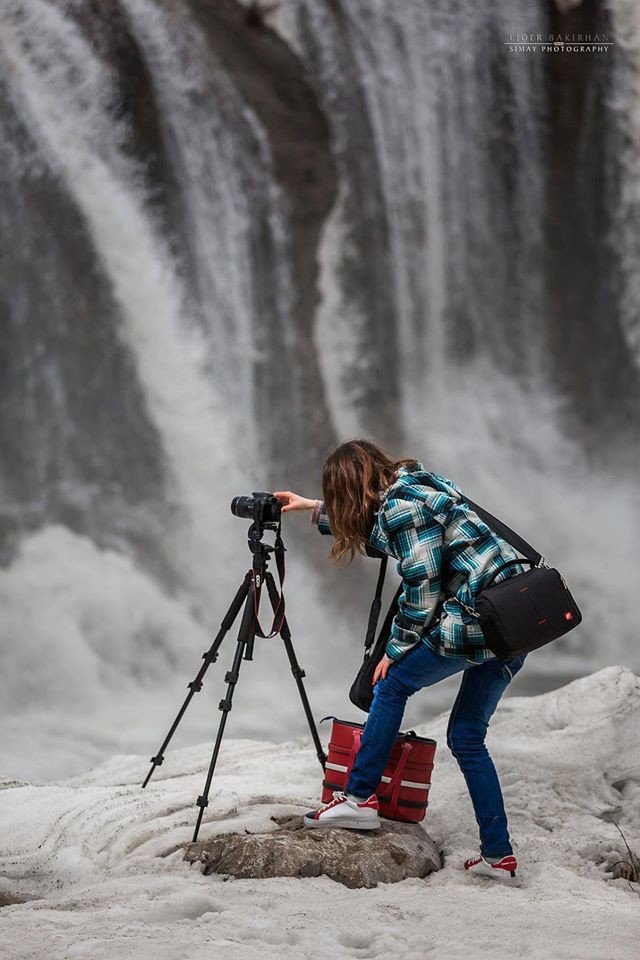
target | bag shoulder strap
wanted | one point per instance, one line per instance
(374, 613)
(498, 526)
(513, 538)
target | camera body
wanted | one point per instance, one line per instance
(260, 507)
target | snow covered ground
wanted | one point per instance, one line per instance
(100, 860)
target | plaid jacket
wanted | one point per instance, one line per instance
(441, 545)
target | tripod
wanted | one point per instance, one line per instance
(249, 594)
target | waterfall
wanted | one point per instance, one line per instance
(232, 245)
(65, 94)
(445, 158)
(626, 105)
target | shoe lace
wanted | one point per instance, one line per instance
(338, 797)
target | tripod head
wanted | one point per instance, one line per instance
(255, 535)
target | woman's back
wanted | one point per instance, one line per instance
(427, 525)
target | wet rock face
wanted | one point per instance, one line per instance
(355, 858)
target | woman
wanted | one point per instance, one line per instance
(445, 554)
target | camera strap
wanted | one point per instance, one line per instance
(278, 613)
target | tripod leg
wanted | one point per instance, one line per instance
(209, 657)
(245, 634)
(296, 670)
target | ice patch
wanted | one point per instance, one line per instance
(103, 857)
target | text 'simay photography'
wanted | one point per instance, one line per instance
(319, 496)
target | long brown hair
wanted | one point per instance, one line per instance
(353, 477)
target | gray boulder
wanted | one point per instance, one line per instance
(354, 858)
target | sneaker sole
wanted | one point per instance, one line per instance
(496, 875)
(348, 824)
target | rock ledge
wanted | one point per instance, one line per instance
(355, 858)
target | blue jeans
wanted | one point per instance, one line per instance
(480, 690)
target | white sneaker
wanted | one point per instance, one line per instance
(344, 812)
(505, 870)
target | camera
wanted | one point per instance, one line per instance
(260, 507)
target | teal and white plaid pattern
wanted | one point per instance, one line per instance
(433, 534)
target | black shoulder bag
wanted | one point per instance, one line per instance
(527, 610)
(517, 615)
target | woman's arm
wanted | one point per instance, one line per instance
(417, 541)
(293, 501)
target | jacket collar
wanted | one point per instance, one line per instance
(402, 472)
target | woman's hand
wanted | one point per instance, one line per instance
(292, 501)
(382, 669)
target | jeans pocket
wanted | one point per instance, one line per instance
(511, 667)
